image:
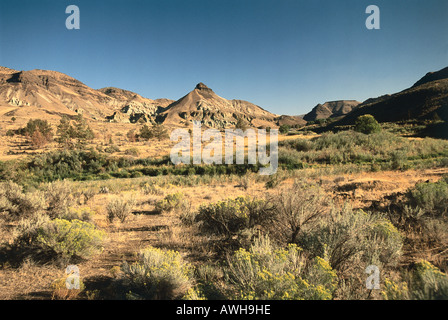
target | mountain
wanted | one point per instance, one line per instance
(432, 76)
(43, 93)
(331, 109)
(133, 106)
(427, 99)
(203, 104)
(290, 120)
(50, 94)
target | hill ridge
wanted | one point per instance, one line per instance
(427, 99)
(47, 93)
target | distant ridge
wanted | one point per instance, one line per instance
(427, 99)
(51, 94)
(331, 109)
(432, 76)
(47, 93)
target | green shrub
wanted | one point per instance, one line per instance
(209, 280)
(120, 209)
(70, 238)
(300, 145)
(432, 198)
(284, 129)
(241, 124)
(112, 149)
(395, 290)
(145, 132)
(288, 158)
(79, 213)
(424, 282)
(385, 241)
(37, 125)
(65, 164)
(367, 124)
(385, 149)
(353, 238)
(158, 274)
(27, 228)
(152, 189)
(444, 163)
(229, 217)
(399, 160)
(59, 198)
(295, 208)
(157, 131)
(132, 152)
(122, 174)
(267, 272)
(429, 283)
(71, 131)
(16, 202)
(170, 202)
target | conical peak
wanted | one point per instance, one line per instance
(201, 86)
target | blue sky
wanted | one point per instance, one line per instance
(284, 55)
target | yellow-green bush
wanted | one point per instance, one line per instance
(194, 294)
(395, 290)
(158, 274)
(229, 217)
(152, 189)
(386, 241)
(429, 283)
(432, 198)
(321, 273)
(70, 238)
(425, 282)
(170, 202)
(267, 272)
(353, 238)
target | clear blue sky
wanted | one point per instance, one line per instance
(284, 55)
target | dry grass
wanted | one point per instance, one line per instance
(146, 226)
